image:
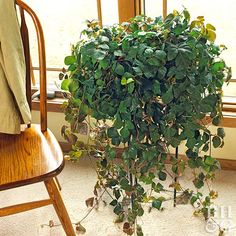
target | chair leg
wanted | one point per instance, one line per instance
(58, 183)
(59, 206)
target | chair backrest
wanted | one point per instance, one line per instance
(23, 7)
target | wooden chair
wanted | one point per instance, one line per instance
(34, 155)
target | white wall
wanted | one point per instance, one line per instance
(55, 122)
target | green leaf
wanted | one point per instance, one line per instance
(168, 96)
(129, 80)
(182, 60)
(193, 199)
(72, 67)
(137, 71)
(156, 87)
(153, 61)
(192, 163)
(98, 74)
(162, 175)
(155, 136)
(98, 54)
(139, 231)
(124, 183)
(161, 55)
(198, 183)
(69, 60)
(104, 39)
(148, 155)
(216, 120)
(119, 53)
(117, 193)
(209, 160)
(112, 132)
(129, 124)
(191, 154)
(191, 143)
(123, 81)
(131, 88)
(140, 211)
(205, 147)
(119, 69)
(104, 63)
(148, 52)
(217, 66)
(169, 132)
(115, 141)
(157, 187)
(205, 108)
(118, 123)
(100, 82)
(104, 163)
(133, 52)
(186, 15)
(210, 100)
(125, 45)
(73, 86)
(65, 84)
(221, 132)
(162, 72)
(216, 141)
(113, 45)
(205, 137)
(111, 153)
(124, 132)
(172, 52)
(113, 202)
(157, 204)
(118, 209)
(104, 46)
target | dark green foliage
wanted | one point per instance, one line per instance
(155, 81)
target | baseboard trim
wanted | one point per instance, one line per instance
(65, 147)
(226, 164)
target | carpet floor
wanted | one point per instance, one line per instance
(77, 181)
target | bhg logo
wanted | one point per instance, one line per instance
(222, 220)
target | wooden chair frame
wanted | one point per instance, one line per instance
(34, 155)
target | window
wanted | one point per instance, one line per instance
(62, 22)
(109, 10)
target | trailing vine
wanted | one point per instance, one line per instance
(148, 85)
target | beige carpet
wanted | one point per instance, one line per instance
(77, 182)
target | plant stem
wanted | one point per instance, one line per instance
(131, 183)
(100, 197)
(175, 191)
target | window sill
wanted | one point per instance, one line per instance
(229, 108)
(53, 105)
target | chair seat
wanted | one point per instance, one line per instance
(29, 157)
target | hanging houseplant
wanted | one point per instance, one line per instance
(149, 86)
